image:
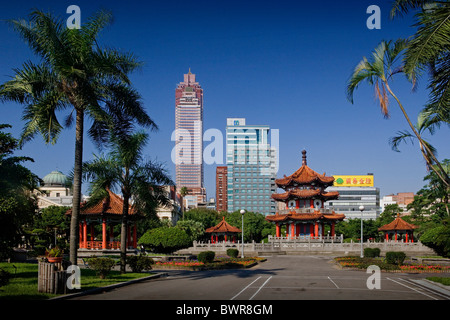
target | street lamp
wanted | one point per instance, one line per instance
(361, 208)
(242, 251)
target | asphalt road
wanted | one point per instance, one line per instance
(282, 278)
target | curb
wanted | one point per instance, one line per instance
(110, 287)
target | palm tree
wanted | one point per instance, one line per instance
(378, 72)
(423, 123)
(124, 168)
(429, 49)
(76, 74)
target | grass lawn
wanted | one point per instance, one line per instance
(23, 284)
(444, 281)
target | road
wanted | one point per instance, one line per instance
(279, 278)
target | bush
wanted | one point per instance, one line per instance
(101, 265)
(438, 239)
(4, 277)
(372, 252)
(139, 263)
(395, 257)
(233, 253)
(165, 240)
(206, 256)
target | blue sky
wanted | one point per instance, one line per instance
(283, 64)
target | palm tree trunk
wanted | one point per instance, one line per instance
(124, 234)
(77, 172)
(441, 173)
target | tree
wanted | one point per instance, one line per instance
(256, 227)
(75, 74)
(391, 211)
(183, 192)
(17, 203)
(165, 240)
(124, 168)
(378, 72)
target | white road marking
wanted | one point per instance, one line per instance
(413, 289)
(260, 288)
(333, 282)
(245, 288)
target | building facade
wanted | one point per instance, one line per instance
(251, 167)
(189, 137)
(55, 191)
(402, 199)
(221, 188)
(355, 191)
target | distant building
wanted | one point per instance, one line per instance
(402, 199)
(355, 191)
(221, 189)
(251, 167)
(171, 212)
(55, 191)
(189, 137)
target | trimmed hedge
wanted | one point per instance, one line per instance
(233, 253)
(102, 266)
(206, 256)
(396, 258)
(372, 252)
(140, 263)
(165, 240)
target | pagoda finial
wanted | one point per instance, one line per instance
(189, 71)
(304, 162)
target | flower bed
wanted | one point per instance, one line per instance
(358, 263)
(219, 263)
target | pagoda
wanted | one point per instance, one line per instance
(304, 213)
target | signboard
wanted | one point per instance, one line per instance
(353, 181)
(236, 122)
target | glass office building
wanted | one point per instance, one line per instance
(251, 167)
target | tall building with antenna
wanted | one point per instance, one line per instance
(189, 137)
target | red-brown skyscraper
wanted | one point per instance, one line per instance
(189, 136)
(221, 189)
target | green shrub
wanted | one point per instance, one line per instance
(438, 239)
(102, 266)
(139, 263)
(165, 239)
(206, 256)
(233, 253)
(372, 252)
(396, 258)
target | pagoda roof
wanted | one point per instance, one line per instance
(223, 227)
(304, 175)
(398, 224)
(295, 216)
(110, 205)
(305, 194)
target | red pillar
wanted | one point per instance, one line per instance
(104, 234)
(212, 238)
(316, 230)
(311, 204)
(278, 230)
(333, 224)
(80, 236)
(406, 236)
(85, 234)
(311, 230)
(292, 230)
(387, 236)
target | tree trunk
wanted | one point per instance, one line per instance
(124, 234)
(77, 172)
(440, 172)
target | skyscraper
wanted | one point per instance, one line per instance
(252, 167)
(189, 136)
(221, 188)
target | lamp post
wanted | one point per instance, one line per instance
(361, 208)
(242, 251)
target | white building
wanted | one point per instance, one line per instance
(355, 191)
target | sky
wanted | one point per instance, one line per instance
(284, 64)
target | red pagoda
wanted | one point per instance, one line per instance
(304, 199)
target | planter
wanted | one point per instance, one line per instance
(55, 259)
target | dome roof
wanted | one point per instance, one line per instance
(56, 178)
